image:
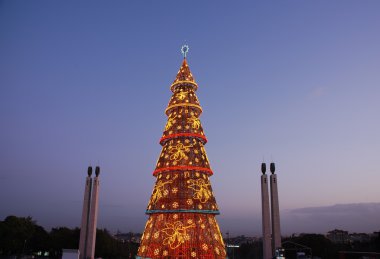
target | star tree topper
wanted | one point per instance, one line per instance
(184, 50)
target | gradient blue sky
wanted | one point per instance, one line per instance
(87, 82)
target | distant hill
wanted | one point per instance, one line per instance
(355, 217)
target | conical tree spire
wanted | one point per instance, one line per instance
(184, 77)
(182, 207)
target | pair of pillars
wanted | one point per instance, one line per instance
(271, 239)
(89, 215)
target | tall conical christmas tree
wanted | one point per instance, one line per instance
(182, 207)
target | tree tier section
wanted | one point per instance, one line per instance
(184, 78)
(188, 191)
(184, 153)
(184, 97)
(182, 235)
(183, 121)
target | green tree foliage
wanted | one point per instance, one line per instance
(320, 245)
(40, 240)
(249, 250)
(108, 247)
(63, 238)
(20, 235)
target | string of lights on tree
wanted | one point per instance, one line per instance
(182, 206)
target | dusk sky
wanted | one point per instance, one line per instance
(87, 82)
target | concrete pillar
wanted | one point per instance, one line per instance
(85, 215)
(265, 214)
(276, 230)
(93, 217)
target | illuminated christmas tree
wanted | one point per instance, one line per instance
(182, 207)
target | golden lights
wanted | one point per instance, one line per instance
(201, 189)
(159, 190)
(179, 151)
(176, 234)
(182, 206)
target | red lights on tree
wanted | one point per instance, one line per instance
(182, 207)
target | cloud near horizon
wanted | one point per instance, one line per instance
(356, 217)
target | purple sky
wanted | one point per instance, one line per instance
(87, 83)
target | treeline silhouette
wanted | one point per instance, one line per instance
(318, 247)
(22, 236)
